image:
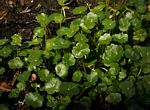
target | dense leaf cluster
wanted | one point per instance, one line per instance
(103, 52)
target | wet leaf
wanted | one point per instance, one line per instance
(79, 10)
(61, 70)
(3, 41)
(24, 76)
(57, 17)
(44, 74)
(69, 89)
(68, 59)
(61, 2)
(114, 98)
(113, 53)
(140, 35)
(21, 86)
(16, 40)
(57, 43)
(120, 38)
(109, 24)
(4, 107)
(51, 101)
(124, 24)
(43, 19)
(86, 101)
(39, 31)
(101, 87)
(105, 39)
(15, 63)
(52, 86)
(34, 99)
(77, 75)
(80, 38)
(80, 50)
(2, 70)
(5, 51)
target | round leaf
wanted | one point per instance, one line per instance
(5, 51)
(69, 89)
(3, 41)
(34, 99)
(79, 10)
(15, 63)
(57, 17)
(24, 76)
(43, 19)
(68, 59)
(114, 98)
(120, 38)
(52, 86)
(16, 40)
(39, 31)
(77, 75)
(105, 39)
(80, 50)
(124, 24)
(140, 35)
(2, 70)
(61, 70)
(109, 24)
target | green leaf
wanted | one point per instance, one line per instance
(101, 87)
(79, 10)
(120, 38)
(86, 101)
(52, 86)
(114, 69)
(69, 89)
(80, 50)
(3, 41)
(39, 31)
(84, 27)
(16, 40)
(24, 76)
(124, 24)
(61, 70)
(14, 93)
(34, 99)
(90, 20)
(51, 101)
(122, 74)
(136, 23)
(2, 70)
(15, 63)
(43, 19)
(104, 39)
(61, 2)
(57, 17)
(109, 24)
(92, 78)
(98, 8)
(127, 87)
(140, 35)
(68, 59)
(114, 98)
(57, 43)
(77, 75)
(4, 107)
(34, 57)
(107, 81)
(80, 38)
(5, 51)
(21, 86)
(113, 53)
(23, 52)
(44, 74)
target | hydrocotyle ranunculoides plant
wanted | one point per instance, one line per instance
(102, 51)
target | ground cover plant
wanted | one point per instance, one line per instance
(99, 58)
